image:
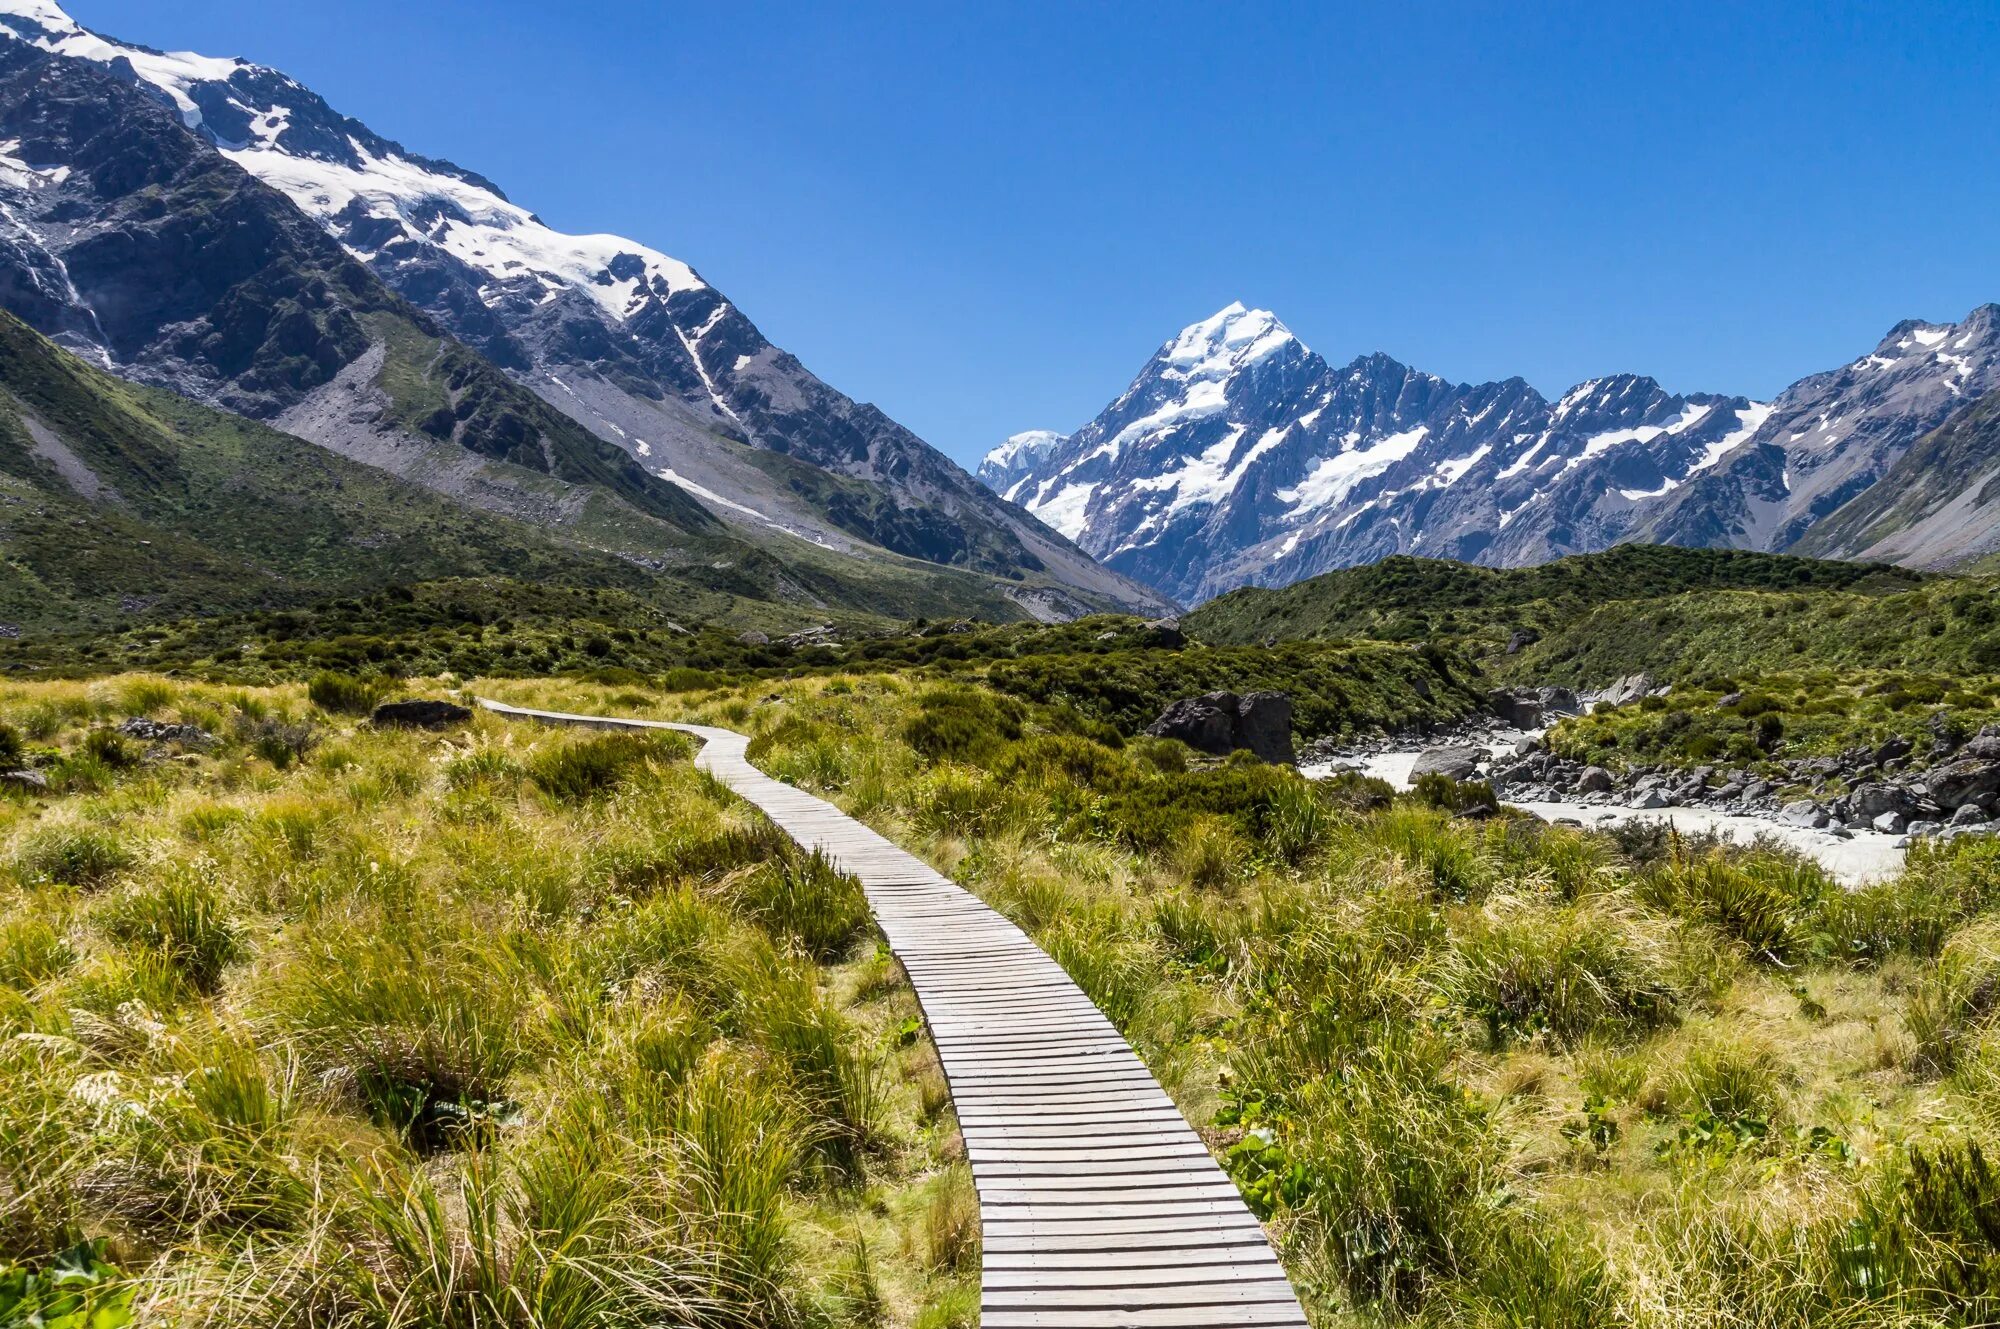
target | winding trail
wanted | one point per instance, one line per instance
(1099, 1206)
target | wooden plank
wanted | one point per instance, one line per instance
(1100, 1208)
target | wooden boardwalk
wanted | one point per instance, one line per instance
(1099, 1207)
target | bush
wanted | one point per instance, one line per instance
(581, 769)
(1958, 997)
(1567, 973)
(109, 747)
(182, 919)
(805, 900)
(962, 724)
(278, 741)
(72, 856)
(10, 747)
(344, 694)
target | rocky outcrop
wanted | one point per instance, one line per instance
(1220, 723)
(419, 715)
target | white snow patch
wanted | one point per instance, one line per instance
(1929, 336)
(1064, 510)
(1333, 478)
(1748, 421)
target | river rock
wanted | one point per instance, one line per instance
(1456, 763)
(1648, 799)
(1594, 780)
(419, 715)
(1967, 814)
(1803, 812)
(1873, 799)
(1968, 780)
(1891, 823)
(1517, 707)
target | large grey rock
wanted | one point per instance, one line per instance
(1804, 812)
(155, 731)
(1873, 799)
(419, 715)
(1594, 780)
(1166, 633)
(32, 782)
(1456, 763)
(1516, 707)
(1264, 726)
(1648, 799)
(1891, 823)
(1986, 747)
(1966, 780)
(1220, 723)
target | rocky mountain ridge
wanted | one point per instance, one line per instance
(1238, 456)
(634, 358)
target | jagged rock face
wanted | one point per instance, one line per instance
(1240, 457)
(627, 341)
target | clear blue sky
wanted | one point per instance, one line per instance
(984, 217)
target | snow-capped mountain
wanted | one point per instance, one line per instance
(1239, 456)
(629, 342)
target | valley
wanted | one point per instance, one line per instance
(522, 806)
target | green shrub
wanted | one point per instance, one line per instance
(804, 899)
(10, 747)
(344, 694)
(78, 856)
(109, 747)
(33, 950)
(962, 724)
(1567, 972)
(585, 768)
(183, 919)
(1958, 997)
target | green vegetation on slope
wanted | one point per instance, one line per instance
(1946, 625)
(1403, 598)
(119, 501)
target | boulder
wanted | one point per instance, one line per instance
(1630, 688)
(1264, 726)
(1220, 723)
(1803, 812)
(1521, 709)
(1648, 799)
(1559, 701)
(1893, 748)
(1521, 638)
(1873, 799)
(1165, 632)
(1456, 763)
(1891, 823)
(31, 782)
(1968, 814)
(1967, 780)
(1594, 780)
(753, 638)
(1728, 701)
(1986, 747)
(1206, 724)
(419, 715)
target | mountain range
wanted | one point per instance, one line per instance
(213, 228)
(1238, 456)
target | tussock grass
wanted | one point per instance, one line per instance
(500, 1027)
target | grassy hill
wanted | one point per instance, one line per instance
(1403, 598)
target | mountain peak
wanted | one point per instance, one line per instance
(1229, 340)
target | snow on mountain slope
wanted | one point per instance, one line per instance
(1239, 456)
(626, 340)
